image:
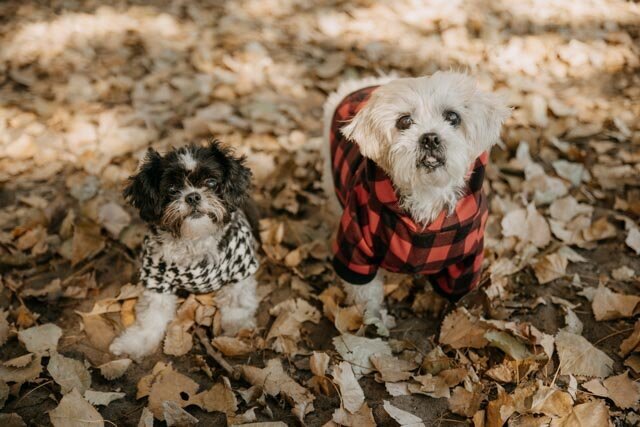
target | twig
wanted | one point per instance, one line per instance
(217, 356)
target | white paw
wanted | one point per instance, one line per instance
(375, 318)
(136, 343)
(233, 320)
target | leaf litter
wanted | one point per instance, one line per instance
(563, 226)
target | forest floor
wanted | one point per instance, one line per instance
(549, 339)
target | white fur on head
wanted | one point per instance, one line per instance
(425, 193)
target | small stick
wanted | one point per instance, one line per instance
(217, 356)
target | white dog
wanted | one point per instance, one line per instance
(404, 165)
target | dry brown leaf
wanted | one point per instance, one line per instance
(500, 409)
(40, 339)
(232, 346)
(392, 369)
(174, 415)
(115, 368)
(165, 384)
(599, 230)
(75, 411)
(146, 418)
(27, 369)
(403, 418)
(291, 314)
(436, 361)
(358, 351)
(113, 218)
(350, 391)
(551, 267)
(633, 239)
(331, 299)
(319, 363)
(99, 329)
(362, 418)
(87, 241)
(4, 327)
(608, 305)
(4, 393)
(552, 402)
(435, 387)
(275, 381)
(219, 398)
(70, 374)
(624, 392)
(461, 330)
(178, 341)
(590, 414)
(100, 398)
(579, 357)
(464, 402)
(348, 319)
(527, 225)
(632, 342)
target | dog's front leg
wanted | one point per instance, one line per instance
(369, 298)
(238, 303)
(154, 311)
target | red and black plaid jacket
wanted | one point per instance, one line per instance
(375, 232)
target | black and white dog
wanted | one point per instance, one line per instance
(202, 237)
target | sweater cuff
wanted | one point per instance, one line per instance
(351, 276)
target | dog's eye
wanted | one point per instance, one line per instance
(404, 122)
(211, 183)
(173, 190)
(452, 117)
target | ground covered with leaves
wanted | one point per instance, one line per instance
(552, 336)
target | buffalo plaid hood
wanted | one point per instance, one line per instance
(376, 232)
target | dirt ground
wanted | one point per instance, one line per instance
(86, 88)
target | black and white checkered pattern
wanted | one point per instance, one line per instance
(236, 260)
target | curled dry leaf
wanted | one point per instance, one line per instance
(70, 374)
(362, 418)
(528, 225)
(115, 368)
(4, 327)
(101, 398)
(165, 384)
(403, 418)
(551, 267)
(632, 342)
(624, 392)
(232, 346)
(392, 369)
(21, 373)
(350, 391)
(275, 381)
(75, 411)
(464, 402)
(40, 339)
(579, 357)
(358, 351)
(219, 398)
(552, 402)
(509, 344)
(609, 305)
(432, 386)
(633, 239)
(461, 330)
(291, 314)
(590, 414)
(174, 415)
(500, 409)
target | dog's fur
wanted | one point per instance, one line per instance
(427, 181)
(189, 231)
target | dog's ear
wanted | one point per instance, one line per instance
(365, 131)
(237, 176)
(491, 111)
(143, 188)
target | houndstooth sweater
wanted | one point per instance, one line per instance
(234, 261)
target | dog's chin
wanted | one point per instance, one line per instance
(198, 225)
(431, 162)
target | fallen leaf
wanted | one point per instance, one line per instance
(275, 381)
(232, 346)
(403, 418)
(291, 314)
(527, 225)
(624, 392)
(87, 241)
(362, 418)
(4, 393)
(461, 330)
(567, 208)
(350, 391)
(146, 418)
(219, 398)
(500, 409)
(431, 386)
(632, 342)
(40, 339)
(21, 373)
(319, 363)
(12, 420)
(4, 327)
(552, 402)
(174, 415)
(608, 305)
(579, 357)
(69, 374)
(101, 398)
(590, 414)
(358, 351)
(551, 267)
(623, 273)
(633, 240)
(165, 384)
(75, 411)
(113, 218)
(507, 343)
(392, 369)
(114, 369)
(464, 402)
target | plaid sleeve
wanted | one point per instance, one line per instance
(456, 280)
(353, 259)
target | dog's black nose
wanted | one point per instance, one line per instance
(430, 140)
(193, 198)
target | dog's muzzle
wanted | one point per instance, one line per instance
(432, 155)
